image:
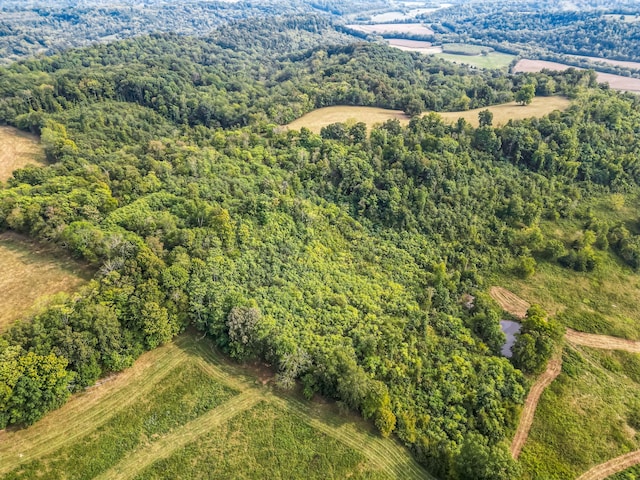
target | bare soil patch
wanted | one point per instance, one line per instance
(509, 301)
(616, 82)
(414, 46)
(382, 28)
(18, 149)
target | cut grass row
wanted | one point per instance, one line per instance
(185, 401)
(322, 117)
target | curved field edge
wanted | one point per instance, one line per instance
(86, 412)
(322, 117)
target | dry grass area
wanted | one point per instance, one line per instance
(31, 271)
(17, 149)
(381, 28)
(322, 117)
(540, 107)
(616, 82)
(509, 301)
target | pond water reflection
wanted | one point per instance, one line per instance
(510, 328)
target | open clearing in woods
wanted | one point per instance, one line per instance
(490, 61)
(183, 408)
(31, 271)
(322, 117)
(18, 149)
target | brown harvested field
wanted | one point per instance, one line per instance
(322, 117)
(17, 149)
(617, 63)
(616, 82)
(509, 301)
(31, 271)
(414, 46)
(382, 28)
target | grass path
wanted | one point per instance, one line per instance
(603, 342)
(87, 411)
(143, 457)
(554, 367)
(387, 454)
(93, 408)
(618, 464)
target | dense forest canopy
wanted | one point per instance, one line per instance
(339, 258)
(607, 29)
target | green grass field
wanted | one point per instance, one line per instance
(589, 415)
(264, 442)
(183, 409)
(490, 61)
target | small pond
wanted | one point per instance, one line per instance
(510, 328)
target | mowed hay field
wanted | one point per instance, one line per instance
(322, 117)
(31, 271)
(184, 411)
(18, 149)
(587, 416)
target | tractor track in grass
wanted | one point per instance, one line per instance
(97, 405)
(554, 367)
(615, 465)
(146, 455)
(89, 410)
(602, 342)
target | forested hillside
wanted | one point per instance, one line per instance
(608, 30)
(341, 259)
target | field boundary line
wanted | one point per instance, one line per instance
(615, 465)
(386, 454)
(91, 418)
(554, 367)
(148, 454)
